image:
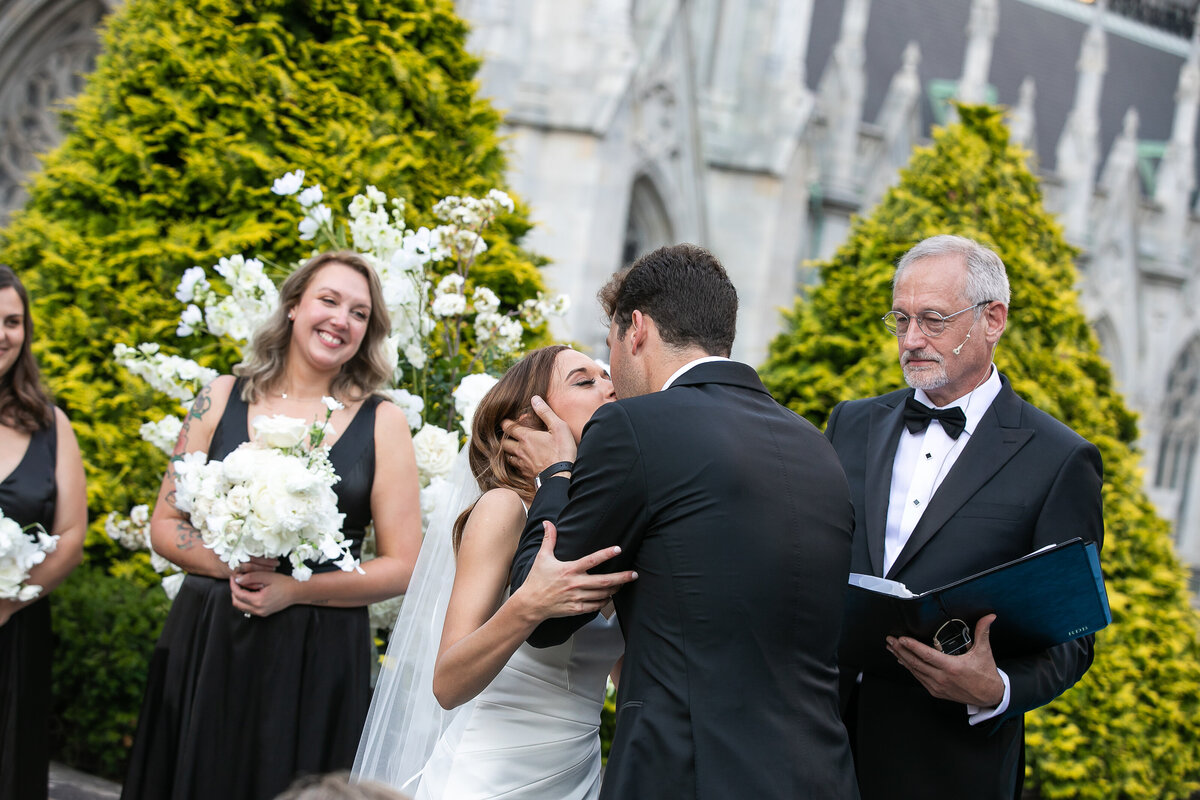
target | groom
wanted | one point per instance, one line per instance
(736, 516)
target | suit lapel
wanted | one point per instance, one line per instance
(996, 439)
(882, 439)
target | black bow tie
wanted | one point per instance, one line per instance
(917, 416)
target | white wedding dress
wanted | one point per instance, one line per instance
(532, 734)
(534, 731)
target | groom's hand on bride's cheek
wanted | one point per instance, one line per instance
(531, 450)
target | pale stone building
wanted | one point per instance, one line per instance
(758, 127)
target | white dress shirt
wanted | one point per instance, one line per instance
(923, 460)
(688, 366)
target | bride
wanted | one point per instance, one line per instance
(466, 709)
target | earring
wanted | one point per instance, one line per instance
(291, 316)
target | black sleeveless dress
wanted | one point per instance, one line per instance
(236, 708)
(27, 495)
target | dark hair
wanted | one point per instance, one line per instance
(24, 403)
(508, 399)
(359, 377)
(685, 290)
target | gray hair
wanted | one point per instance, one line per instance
(986, 279)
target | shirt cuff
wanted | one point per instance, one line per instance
(978, 714)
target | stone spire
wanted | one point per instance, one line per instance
(1176, 177)
(1079, 145)
(900, 122)
(1022, 123)
(1120, 175)
(981, 34)
(842, 91)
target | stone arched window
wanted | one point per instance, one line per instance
(649, 225)
(1174, 473)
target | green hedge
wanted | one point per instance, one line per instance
(105, 628)
(1128, 729)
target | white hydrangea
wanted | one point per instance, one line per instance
(412, 405)
(485, 300)
(449, 305)
(470, 390)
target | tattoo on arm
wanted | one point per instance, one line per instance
(200, 407)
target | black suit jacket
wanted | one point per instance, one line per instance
(1022, 481)
(736, 516)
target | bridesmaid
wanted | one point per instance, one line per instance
(257, 677)
(44, 484)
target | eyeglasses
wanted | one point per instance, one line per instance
(953, 638)
(931, 323)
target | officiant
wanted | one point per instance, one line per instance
(948, 478)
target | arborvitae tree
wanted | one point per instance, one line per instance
(1128, 728)
(195, 107)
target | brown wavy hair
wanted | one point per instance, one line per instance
(508, 399)
(359, 377)
(24, 402)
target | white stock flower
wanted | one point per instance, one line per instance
(470, 390)
(332, 404)
(280, 431)
(317, 217)
(193, 281)
(310, 196)
(450, 284)
(171, 584)
(499, 198)
(189, 320)
(21, 551)
(435, 450)
(508, 335)
(289, 184)
(162, 434)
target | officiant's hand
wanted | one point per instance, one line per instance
(531, 450)
(970, 678)
(565, 588)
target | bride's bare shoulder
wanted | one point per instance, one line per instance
(499, 513)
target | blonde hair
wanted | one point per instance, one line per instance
(359, 377)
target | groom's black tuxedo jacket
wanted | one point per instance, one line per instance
(736, 517)
(1023, 480)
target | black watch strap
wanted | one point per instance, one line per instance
(553, 469)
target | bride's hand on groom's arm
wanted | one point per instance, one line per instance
(531, 450)
(565, 588)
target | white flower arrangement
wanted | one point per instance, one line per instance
(19, 553)
(269, 498)
(448, 332)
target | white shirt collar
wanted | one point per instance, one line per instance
(974, 403)
(688, 366)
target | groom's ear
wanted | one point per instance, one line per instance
(638, 331)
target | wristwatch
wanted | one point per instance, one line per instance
(551, 471)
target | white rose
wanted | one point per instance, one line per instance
(280, 431)
(435, 450)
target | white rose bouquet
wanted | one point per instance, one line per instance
(270, 498)
(19, 553)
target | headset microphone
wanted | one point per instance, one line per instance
(958, 349)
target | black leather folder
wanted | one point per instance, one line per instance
(1050, 596)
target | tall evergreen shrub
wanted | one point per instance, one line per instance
(1129, 728)
(194, 108)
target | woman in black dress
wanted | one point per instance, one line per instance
(257, 677)
(43, 483)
